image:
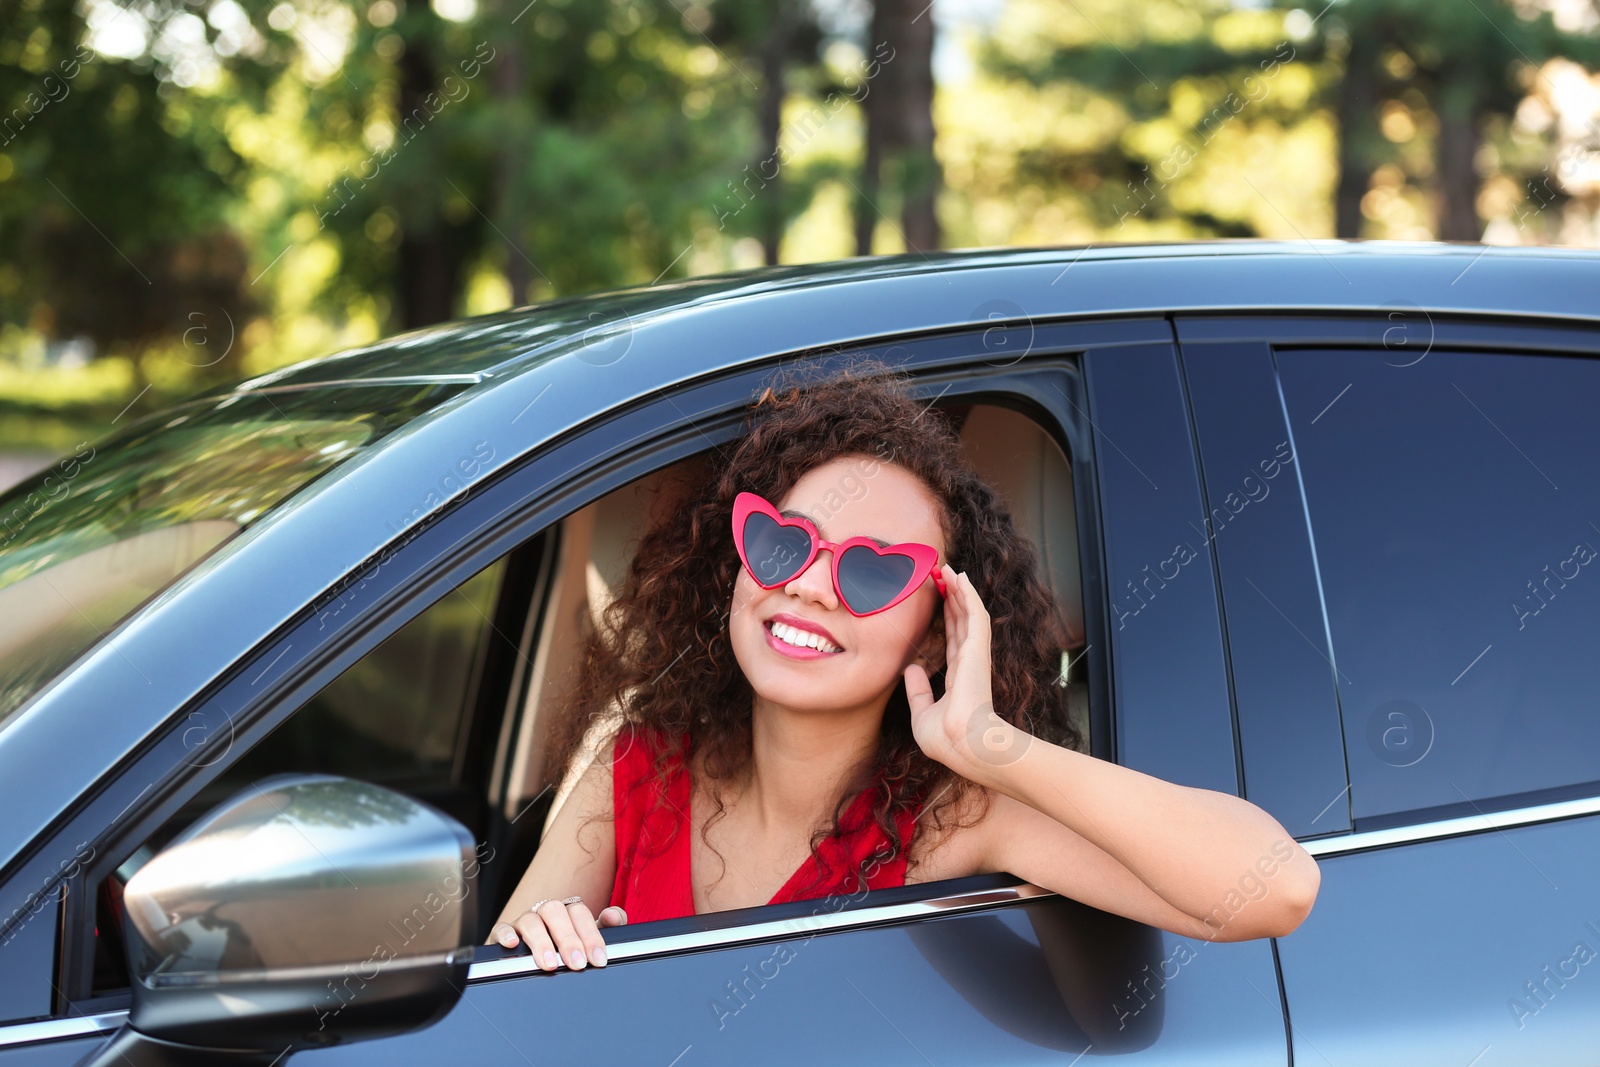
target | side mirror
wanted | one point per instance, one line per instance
(308, 910)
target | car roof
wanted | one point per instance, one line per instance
(474, 350)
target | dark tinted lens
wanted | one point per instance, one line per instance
(775, 553)
(869, 581)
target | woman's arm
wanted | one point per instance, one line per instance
(577, 857)
(1175, 857)
(1213, 865)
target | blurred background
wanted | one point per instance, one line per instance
(198, 190)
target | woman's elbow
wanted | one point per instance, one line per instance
(1295, 897)
(1302, 894)
(1278, 912)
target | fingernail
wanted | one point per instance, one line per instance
(508, 939)
(599, 956)
(577, 959)
(551, 960)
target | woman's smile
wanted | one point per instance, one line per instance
(797, 643)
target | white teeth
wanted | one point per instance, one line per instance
(802, 638)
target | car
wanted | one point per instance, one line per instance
(277, 666)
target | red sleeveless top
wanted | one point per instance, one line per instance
(652, 880)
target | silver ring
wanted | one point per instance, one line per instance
(570, 900)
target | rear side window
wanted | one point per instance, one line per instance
(1455, 509)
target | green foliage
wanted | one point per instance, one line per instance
(351, 166)
(253, 182)
(1185, 92)
(1169, 119)
(114, 199)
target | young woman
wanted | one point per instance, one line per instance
(774, 651)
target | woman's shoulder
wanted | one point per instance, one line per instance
(637, 742)
(635, 750)
(948, 842)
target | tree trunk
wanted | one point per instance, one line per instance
(510, 90)
(898, 156)
(1357, 104)
(432, 250)
(1455, 159)
(881, 135)
(919, 167)
(774, 53)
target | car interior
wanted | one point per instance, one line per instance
(456, 707)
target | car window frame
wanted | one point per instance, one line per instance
(470, 531)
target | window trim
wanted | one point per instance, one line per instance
(962, 895)
(103, 1024)
(743, 928)
(1365, 329)
(1460, 826)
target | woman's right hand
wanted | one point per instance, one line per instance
(551, 927)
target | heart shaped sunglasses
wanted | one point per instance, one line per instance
(867, 577)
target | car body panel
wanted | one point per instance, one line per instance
(1174, 720)
(29, 955)
(1441, 952)
(1439, 462)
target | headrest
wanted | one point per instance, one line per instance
(1028, 469)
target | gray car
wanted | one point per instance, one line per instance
(277, 667)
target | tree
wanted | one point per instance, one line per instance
(898, 157)
(1470, 62)
(114, 198)
(359, 163)
(1464, 66)
(1171, 81)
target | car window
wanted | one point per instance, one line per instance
(396, 716)
(1452, 505)
(400, 716)
(87, 541)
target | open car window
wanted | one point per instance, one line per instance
(405, 713)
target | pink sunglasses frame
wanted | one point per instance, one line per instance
(924, 557)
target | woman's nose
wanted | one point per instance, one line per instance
(816, 581)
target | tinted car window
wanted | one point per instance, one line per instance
(399, 715)
(1452, 501)
(86, 542)
(396, 715)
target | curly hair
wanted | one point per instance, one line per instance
(662, 653)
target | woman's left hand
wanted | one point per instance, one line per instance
(960, 729)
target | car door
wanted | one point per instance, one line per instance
(974, 970)
(1412, 620)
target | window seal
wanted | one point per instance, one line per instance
(104, 1024)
